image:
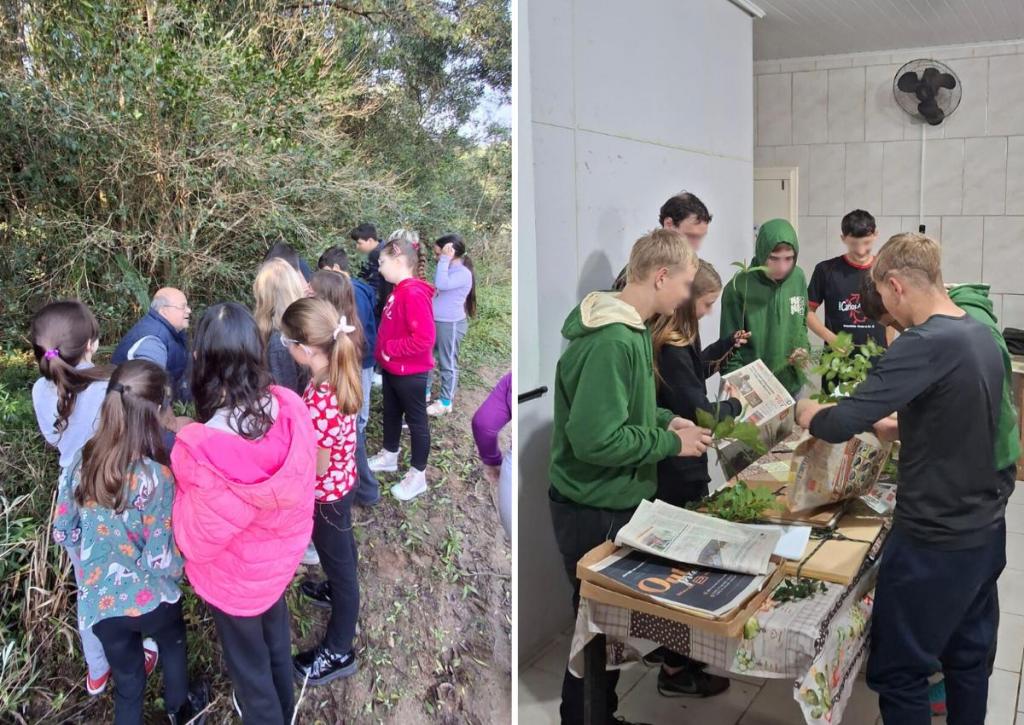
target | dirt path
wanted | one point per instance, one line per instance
(434, 641)
(435, 581)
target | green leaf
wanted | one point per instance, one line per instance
(725, 427)
(817, 712)
(705, 419)
(819, 678)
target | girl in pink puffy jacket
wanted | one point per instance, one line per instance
(243, 508)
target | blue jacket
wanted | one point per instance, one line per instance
(153, 325)
(365, 306)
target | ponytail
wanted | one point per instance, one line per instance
(129, 430)
(344, 374)
(61, 334)
(315, 322)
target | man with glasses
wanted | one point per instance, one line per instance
(160, 338)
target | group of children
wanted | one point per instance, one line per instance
(272, 462)
(633, 376)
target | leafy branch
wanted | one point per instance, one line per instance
(793, 590)
(846, 365)
(740, 503)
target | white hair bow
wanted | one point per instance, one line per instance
(343, 326)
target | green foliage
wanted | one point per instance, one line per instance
(741, 503)
(170, 144)
(793, 590)
(730, 429)
(845, 366)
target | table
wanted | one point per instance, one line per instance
(821, 643)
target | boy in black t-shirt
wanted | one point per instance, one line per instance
(835, 286)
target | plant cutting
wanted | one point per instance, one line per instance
(845, 365)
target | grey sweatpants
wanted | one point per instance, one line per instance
(446, 348)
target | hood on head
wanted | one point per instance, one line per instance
(597, 310)
(772, 234)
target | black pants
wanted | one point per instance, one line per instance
(258, 653)
(934, 610)
(578, 529)
(122, 643)
(336, 546)
(406, 394)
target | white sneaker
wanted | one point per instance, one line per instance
(437, 409)
(377, 380)
(412, 485)
(311, 558)
(384, 461)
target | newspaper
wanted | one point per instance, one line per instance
(763, 396)
(693, 538)
(824, 473)
(707, 592)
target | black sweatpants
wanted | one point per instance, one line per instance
(578, 529)
(336, 546)
(122, 643)
(934, 609)
(258, 653)
(406, 395)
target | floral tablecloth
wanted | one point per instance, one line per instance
(820, 642)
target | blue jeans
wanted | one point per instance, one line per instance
(934, 610)
(368, 488)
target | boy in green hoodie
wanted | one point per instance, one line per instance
(609, 434)
(772, 305)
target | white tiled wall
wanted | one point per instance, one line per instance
(835, 117)
(614, 133)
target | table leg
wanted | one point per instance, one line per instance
(595, 698)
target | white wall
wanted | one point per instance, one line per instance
(630, 104)
(835, 117)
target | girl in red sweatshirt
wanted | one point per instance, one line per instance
(405, 344)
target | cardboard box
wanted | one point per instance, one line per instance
(837, 560)
(730, 625)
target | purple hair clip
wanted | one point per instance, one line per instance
(51, 354)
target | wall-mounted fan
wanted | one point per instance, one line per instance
(929, 91)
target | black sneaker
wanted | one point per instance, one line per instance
(319, 593)
(324, 665)
(192, 710)
(691, 681)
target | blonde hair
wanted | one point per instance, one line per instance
(682, 326)
(316, 323)
(657, 249)
(277, 285)
(911, 255)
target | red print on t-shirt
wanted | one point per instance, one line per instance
(337, 433)
(851, 306)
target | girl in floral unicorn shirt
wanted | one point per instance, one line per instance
(114, 506)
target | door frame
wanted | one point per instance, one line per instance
(787, 175)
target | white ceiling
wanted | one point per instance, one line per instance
(798, 28)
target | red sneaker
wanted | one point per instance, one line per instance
(98, 685)
(152, 655)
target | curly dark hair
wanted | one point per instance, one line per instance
(229, 371)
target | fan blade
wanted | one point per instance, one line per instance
(947, 80)
(931, 112)
(907, 82)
